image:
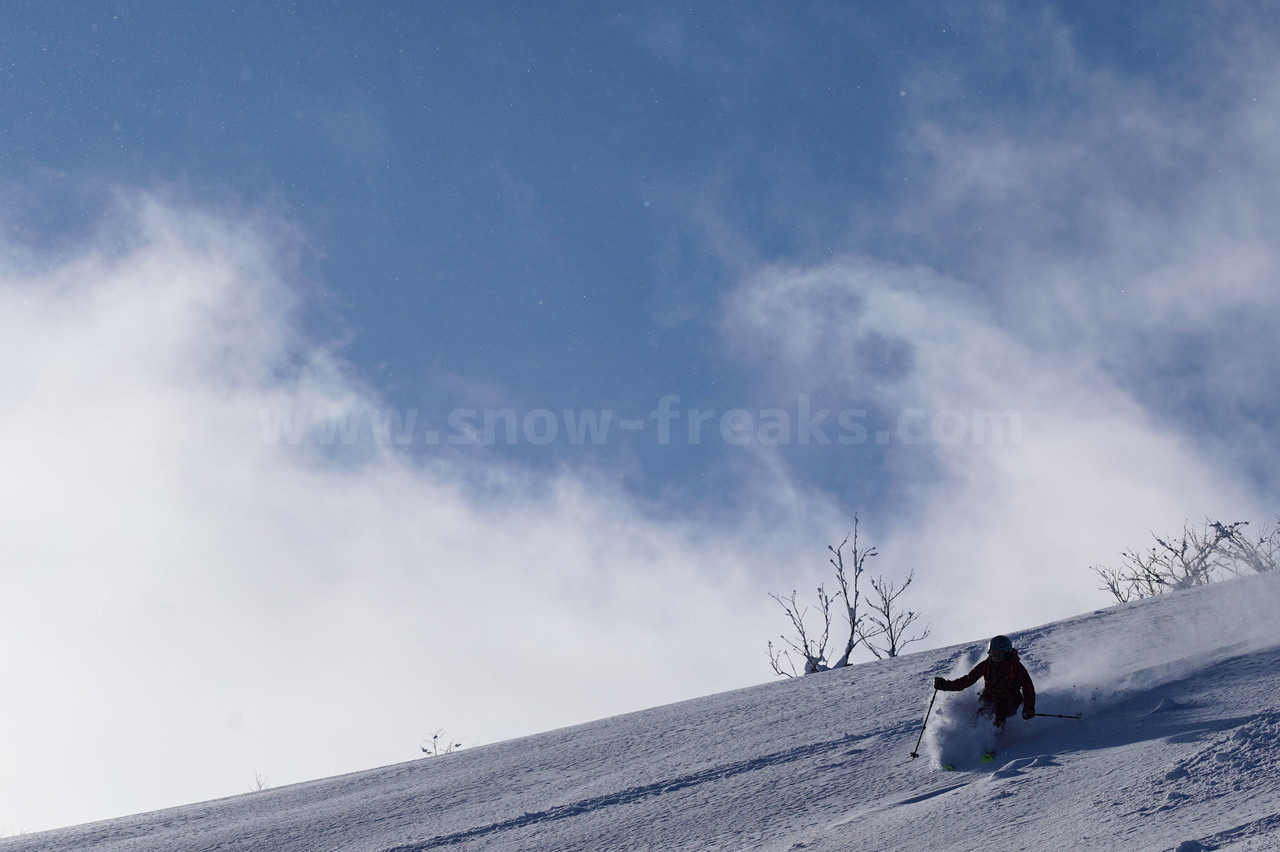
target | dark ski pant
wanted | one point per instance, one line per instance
(999, 711)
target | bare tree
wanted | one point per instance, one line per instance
(886, 621)
(440, 745)
(812, 625)
(811, 648)
(1200, 556)
(259, 783)
(1259, 554)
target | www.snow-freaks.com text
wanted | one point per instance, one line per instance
(666, 423)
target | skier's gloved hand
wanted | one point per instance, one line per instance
(939, 683)
(1028, 712)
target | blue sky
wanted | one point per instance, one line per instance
(1022, 255)
(547, 207)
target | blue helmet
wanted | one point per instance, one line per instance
(1002, 644)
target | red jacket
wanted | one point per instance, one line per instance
(1006, 684)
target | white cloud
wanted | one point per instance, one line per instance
(1002, 535)
(190, 604)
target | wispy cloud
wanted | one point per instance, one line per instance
(1029, 464)
(1093, 256)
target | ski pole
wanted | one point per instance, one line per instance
(914, 755)
(1057, 716)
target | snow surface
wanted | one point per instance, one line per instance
(1177, 751)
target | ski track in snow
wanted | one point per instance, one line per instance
(1176, 753)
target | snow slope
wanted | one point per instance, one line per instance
(1178, 751)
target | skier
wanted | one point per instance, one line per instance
(1006, 683)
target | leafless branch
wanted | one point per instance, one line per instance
(1198, 557)
(812, 650)
(849, 592)
(887, 622)
(440, 745)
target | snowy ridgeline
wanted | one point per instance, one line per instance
(1177, 750)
